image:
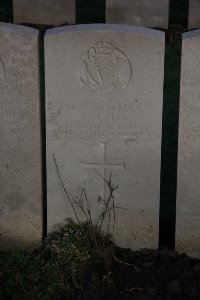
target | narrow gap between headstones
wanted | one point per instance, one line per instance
(88, 13)
(6, 11)
(177, 24)
(43, 130)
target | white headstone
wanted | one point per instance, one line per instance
(188, 186)
(49, 12)
(20, 147)
(194, 14)
(104, 91)
(147, 13)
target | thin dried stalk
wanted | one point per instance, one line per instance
(65, 189)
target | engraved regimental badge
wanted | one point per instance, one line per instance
(104, 68)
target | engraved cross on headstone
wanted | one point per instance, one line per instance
(105, 165)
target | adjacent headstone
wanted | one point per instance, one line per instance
(154, 13)
(49, 12)
(188, 186)
(20, 147)
(194, 14)
(104, 91)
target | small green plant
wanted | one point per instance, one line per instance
(62, 266)
(83, 204)
(70, 256)
(60, 269)
(28, 276)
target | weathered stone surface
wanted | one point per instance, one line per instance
(20, 158)
(154, 13)
(50, 12)
(194, 14)
(104, 89)
(188, 186)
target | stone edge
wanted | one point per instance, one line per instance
(191, 34)
(18, 28)
(106, 27)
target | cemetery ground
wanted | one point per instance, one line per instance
(78, 262)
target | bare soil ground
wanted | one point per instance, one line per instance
(148, 275)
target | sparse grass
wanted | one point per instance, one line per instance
(60, 269)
